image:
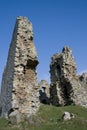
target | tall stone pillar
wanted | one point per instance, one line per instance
(19, 91)
(63, 71)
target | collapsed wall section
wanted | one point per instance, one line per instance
(66, 88)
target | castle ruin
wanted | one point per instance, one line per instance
(21, 94)
(19, 90)
(66, 86)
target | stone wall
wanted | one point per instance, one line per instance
(19, 90)
(66, 87)
(44, 92)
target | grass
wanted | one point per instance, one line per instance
(50, 118)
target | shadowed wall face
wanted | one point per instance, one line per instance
(62, 69)
(66, 86)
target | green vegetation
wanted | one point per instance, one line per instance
(50, 118)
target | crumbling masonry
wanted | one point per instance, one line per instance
(66, 86)
(19, 90)
(21, 94)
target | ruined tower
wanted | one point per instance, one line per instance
(19, 91)
(66, 88)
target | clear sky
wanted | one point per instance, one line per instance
(56, 23)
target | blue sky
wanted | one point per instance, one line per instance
(56, 23)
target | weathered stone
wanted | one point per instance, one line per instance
(66, 88)
(20, 93)
(19, 89)
(44, 92)
(83, 78)
(15, 117)
(62, 69)
(67, 116)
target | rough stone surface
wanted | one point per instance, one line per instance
(44, 92)
(19, 90)
(67, 116)
(66, 87)
(15, 117)
(20, 93)
(83, 78)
